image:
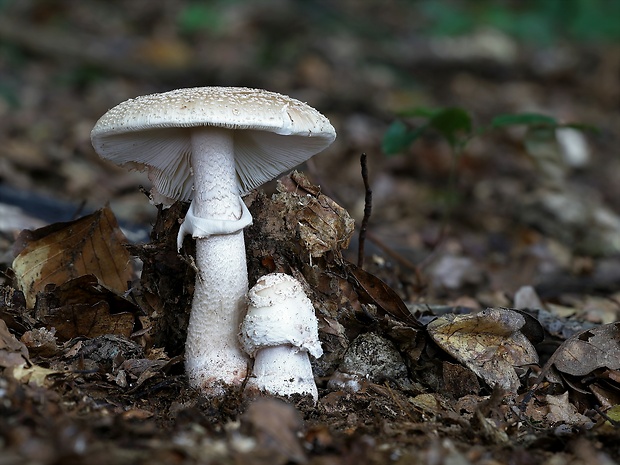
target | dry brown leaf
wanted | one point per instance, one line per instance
(562, 411)
(458, 380)
(63, 251)
(40, 341)
(488, 342)
(591, 349)
(323, 225)
(12, 351)
(82, 307)
(607, 395)
(380, 294)
(14, 357)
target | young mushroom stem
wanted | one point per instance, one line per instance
(212, 350)
(283, 370)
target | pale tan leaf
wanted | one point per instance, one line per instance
(32, 374)
(488, 342)
(63, 251)
(562, 411)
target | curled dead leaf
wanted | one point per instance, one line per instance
(380, 294)
(488, 342)
(32, 374)
(561, 410)
(14, 358)
(322, 225)
(55, 254)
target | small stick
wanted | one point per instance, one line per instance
(367, 211)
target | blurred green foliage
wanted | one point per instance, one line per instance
(199, 16)
(537, 21)
(455, 125)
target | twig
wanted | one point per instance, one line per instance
(367, 211)
(389, 251)
(397, 402)
(613, 422)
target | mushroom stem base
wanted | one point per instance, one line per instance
(284, 371)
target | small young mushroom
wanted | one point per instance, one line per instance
(280, 329)
(211, 145)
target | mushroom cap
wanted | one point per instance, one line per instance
(279, 313)
(150, 132)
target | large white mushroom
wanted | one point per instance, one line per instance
(211, 145)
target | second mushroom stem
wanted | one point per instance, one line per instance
(213, 357)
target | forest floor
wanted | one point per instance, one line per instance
(480, 329)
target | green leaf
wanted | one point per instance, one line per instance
(614, 413)
(529, 119)
(452, 123)
(196, 17)
(399, 137)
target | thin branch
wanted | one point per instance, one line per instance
(367, 211)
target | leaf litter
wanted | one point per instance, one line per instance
(97, 342)
(120, 396)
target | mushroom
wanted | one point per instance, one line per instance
(211, 145)
(280, 329)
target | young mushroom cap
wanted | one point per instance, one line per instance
(280, 329)
(211, 145)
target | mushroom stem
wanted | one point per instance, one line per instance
(212, 355)
(283, 370)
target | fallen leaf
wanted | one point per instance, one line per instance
(12, 351)
(137, 414)
(41, 342)
(605, 391)
(13, 309)
(428, 403)
(82, 307)
(14, 357)
(321, 224)
(613, 414)
(32, 374)
(489, 343)
(589, 350)
(562, 411)
(380, 294)
(459, 381)
(63, 251)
